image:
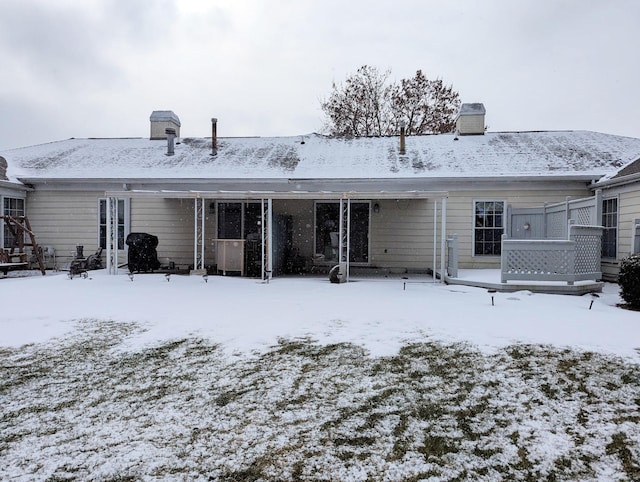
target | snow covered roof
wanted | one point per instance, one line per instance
(564, 153)
(164, 116)
(629, 169)
(472, 109)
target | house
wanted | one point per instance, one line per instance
(270, 206)
(620, 216)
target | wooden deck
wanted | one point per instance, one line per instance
(490, 279)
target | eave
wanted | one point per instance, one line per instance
(617, 181)
(315, 185)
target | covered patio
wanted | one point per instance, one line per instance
(248, 232)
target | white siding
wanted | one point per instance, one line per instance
(628, 211)
(172, 221)
(460, 217)
(401, 234)
(63, 220)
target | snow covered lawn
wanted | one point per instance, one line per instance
(112, 379)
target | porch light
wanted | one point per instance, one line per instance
(376, 208)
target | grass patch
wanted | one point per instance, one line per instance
(81, 408)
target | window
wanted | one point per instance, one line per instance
(11, 207)
(327, 229)
(239, 220)
(610, 232)
(123, 222)
(488, 227)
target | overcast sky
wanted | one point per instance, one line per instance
(98, 68)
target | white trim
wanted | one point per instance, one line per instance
(127, 220)
(2, 212)
(603, 200)
(294, 195)
(473, 225)
(443, 238)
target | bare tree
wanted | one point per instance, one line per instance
(424, 106)
(365, 105)
(358, 107)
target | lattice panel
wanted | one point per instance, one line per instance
(539, 262)
(556, 225)
(588, 252)
(582, 215)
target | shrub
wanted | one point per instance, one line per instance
(629, 280)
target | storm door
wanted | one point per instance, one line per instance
(242, 221)
(327, 231)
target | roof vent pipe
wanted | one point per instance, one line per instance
(214, 136)
(171, 135)
(403, 149)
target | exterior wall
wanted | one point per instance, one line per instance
(460, 217)
(401, 235)
(8, 193)
(628, 210)
(63, 219)
(172, 221)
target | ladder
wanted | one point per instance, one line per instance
(18, 226)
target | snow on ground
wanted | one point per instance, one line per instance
(379, 314)
(106, 378)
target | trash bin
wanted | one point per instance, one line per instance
(142, 254)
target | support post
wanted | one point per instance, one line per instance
(202, 236)
(443, 237)
(112, 235)
(343, 235)
(195, 233)
(598, 208)
(567, 209)
(435, 239)
(266, 217)
(198, 236)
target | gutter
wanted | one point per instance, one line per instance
(588, 178)
(18, 186)
(617, 181)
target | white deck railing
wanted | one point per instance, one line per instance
(574, 259)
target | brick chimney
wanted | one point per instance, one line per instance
(162, 120)
(470, 119)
